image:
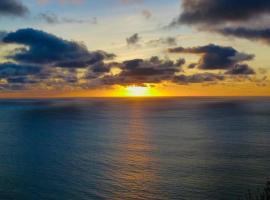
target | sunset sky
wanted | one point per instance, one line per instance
(84, 48)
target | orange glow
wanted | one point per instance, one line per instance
(138, 91)
(157, 90)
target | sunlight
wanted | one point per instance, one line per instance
(138, 91)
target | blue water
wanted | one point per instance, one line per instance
(145, 149)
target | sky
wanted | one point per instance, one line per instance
(94, 48)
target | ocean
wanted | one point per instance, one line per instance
(134, 148)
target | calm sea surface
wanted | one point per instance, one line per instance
(145, 149)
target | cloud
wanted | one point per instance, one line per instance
(47, 61)
(221, 11)
(192, 65)
(74, 2)
(17, 76)
(139, 71)
(52, 18)
(155, 70)
(131, 1)
(169, 41)
(241, 69)
(214, 57)
(2, 35)
(133, 40)
(8, 70)
(47, 49)
(99, 69)
(247, 33)
(197, 78)
(12, 8)
(247, 19)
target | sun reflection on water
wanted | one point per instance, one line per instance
(135, 173)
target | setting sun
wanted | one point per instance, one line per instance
(138, 91)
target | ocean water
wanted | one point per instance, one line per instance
(145, 149)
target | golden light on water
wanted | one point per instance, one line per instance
(135, 169)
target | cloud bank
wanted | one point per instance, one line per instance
(44, 60)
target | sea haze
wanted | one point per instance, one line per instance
(133, 148)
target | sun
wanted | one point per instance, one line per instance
(138, 91)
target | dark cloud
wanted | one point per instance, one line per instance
(192, 65)
(24, 77)
(238, 18)
(99, 69)
(47, 49)
(247, 33)
(9, 70)
(139, 71)
(17, 76)
(220, 11)
(21, 80)
(154, 70)
(197, 78)
(215, 57)
(2, 35)
(12, 8)
(241, 69)
(133, 40)
(48, 61)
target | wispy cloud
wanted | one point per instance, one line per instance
(75, 2)
(52, 18)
